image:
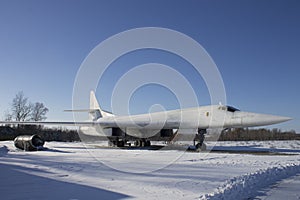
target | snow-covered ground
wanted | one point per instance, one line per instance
(78, 171)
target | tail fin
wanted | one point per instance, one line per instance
(95, 111)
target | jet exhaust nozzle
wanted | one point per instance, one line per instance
(29, 142)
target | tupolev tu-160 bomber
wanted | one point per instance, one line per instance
(149, 100)
(164, 124)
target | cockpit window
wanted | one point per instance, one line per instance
(232, 109)
(222, 108)
(228, 108)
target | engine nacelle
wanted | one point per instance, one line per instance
(29, 142)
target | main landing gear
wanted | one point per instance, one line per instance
(119, 142)
(142, 143)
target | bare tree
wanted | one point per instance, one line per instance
(39, 112)
(8, 116)
(21, 107)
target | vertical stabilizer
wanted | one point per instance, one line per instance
(93, 101)
(95, 110)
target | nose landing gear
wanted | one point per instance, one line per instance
(199, 138)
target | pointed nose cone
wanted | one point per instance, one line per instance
(278, 119)
(255, 119)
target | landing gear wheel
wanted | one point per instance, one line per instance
(116, 143)
(148, 143)
(137, 143)
(142, 143)
(201, 147)
(120, 143)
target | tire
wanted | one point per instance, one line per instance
(203, 147)
(200, 147)
(120, 143)
(137, 143)
(148, 143)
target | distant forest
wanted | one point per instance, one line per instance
(244, 134)
(48, 134)
(65, 135)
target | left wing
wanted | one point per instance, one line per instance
(51, 123)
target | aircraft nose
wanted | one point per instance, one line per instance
(255, 119)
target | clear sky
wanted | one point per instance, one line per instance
(255, 45)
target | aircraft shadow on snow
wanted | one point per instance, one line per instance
(30, 186)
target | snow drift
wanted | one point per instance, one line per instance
(248, 185)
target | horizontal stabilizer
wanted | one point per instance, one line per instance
(82, 110)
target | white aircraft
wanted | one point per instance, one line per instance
(163, 125)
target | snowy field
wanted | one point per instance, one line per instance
(233, 170)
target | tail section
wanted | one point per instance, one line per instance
(95, 111)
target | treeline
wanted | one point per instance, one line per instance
(65, 135)
(243, 134)
(48, 134)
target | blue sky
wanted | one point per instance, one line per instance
(255, 45)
